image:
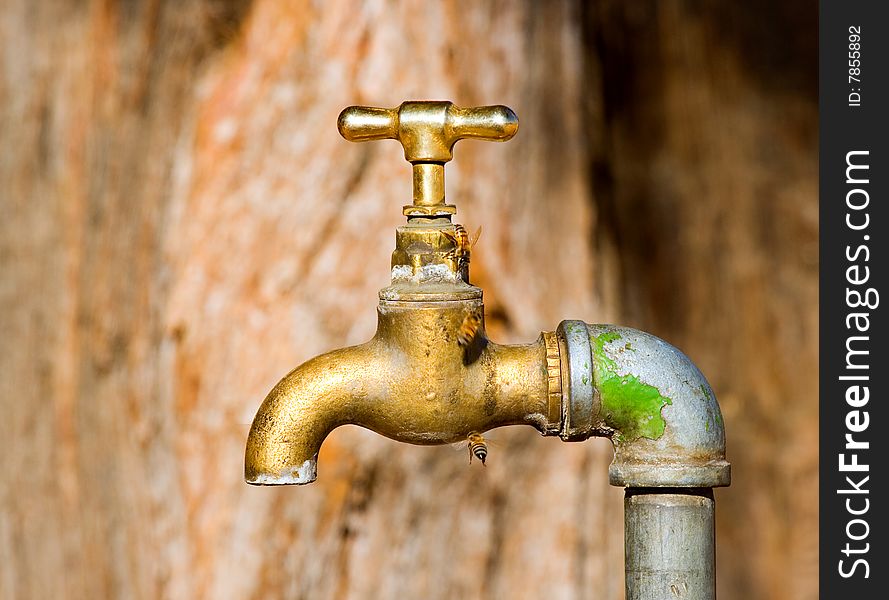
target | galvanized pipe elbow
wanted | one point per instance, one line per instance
(649, 399)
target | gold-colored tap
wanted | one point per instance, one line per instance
(431, 376)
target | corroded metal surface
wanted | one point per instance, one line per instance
(421, 245)
(649, 399)
(666, 423)
(670, 544)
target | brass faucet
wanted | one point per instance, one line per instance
(430, 375)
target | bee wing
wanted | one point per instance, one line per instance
(473, 239)
(493, 441)
(463, 445)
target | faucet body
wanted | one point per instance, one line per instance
(412, 383)
(431, 376)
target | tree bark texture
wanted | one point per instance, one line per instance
(182, 225)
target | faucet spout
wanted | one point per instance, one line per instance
(300, 411)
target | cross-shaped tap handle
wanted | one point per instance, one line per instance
(428, 131)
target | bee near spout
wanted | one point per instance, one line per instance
(478, 447)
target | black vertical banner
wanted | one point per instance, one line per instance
(854, 364)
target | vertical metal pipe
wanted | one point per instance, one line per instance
(670, 543)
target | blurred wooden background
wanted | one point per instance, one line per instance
(181, 225)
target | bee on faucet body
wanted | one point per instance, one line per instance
(469, 330)
(463, 244)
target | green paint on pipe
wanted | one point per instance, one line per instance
(709, 397)
(630, 406)
(705, 391)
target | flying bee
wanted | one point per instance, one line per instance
(463, 244)
(477, 444)
(478, 447)
(469, 329)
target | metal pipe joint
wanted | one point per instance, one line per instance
(649, 399)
